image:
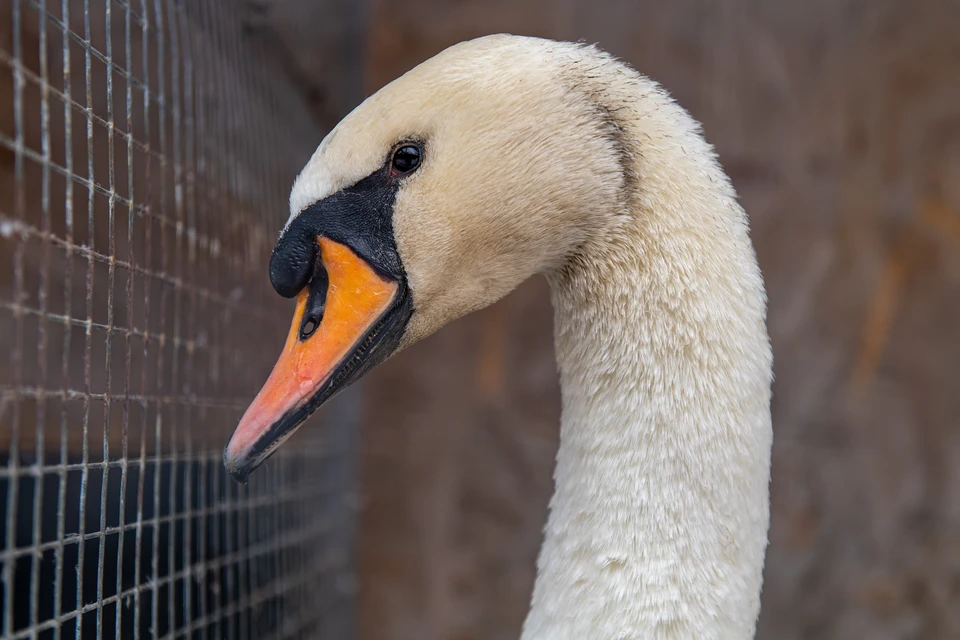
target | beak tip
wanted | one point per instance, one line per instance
(237, 472)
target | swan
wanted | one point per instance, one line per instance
(505, 157)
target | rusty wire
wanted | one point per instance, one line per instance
(145, 156)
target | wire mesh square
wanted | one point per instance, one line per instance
(145, 156)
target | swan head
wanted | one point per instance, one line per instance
(435, 197)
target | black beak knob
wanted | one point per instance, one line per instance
(292, 262)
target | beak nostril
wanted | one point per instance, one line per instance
(316, 300)
(309, 326)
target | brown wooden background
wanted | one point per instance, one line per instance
(839, 122)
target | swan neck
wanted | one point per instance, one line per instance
(658, 524)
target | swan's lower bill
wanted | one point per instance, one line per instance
(345, 317)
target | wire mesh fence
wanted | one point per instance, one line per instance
(145, 157)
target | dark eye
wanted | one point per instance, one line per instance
(405, 159)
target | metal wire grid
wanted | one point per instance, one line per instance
(145, 156)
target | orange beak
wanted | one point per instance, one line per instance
(322, 355)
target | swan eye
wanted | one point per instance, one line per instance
(405, 159)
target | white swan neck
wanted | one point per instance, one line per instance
(658, 524)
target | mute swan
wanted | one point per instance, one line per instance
(504, 157)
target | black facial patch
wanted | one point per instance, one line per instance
(360, 216)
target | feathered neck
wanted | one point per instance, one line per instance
(658, 524)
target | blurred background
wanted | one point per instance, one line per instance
(839, 123)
